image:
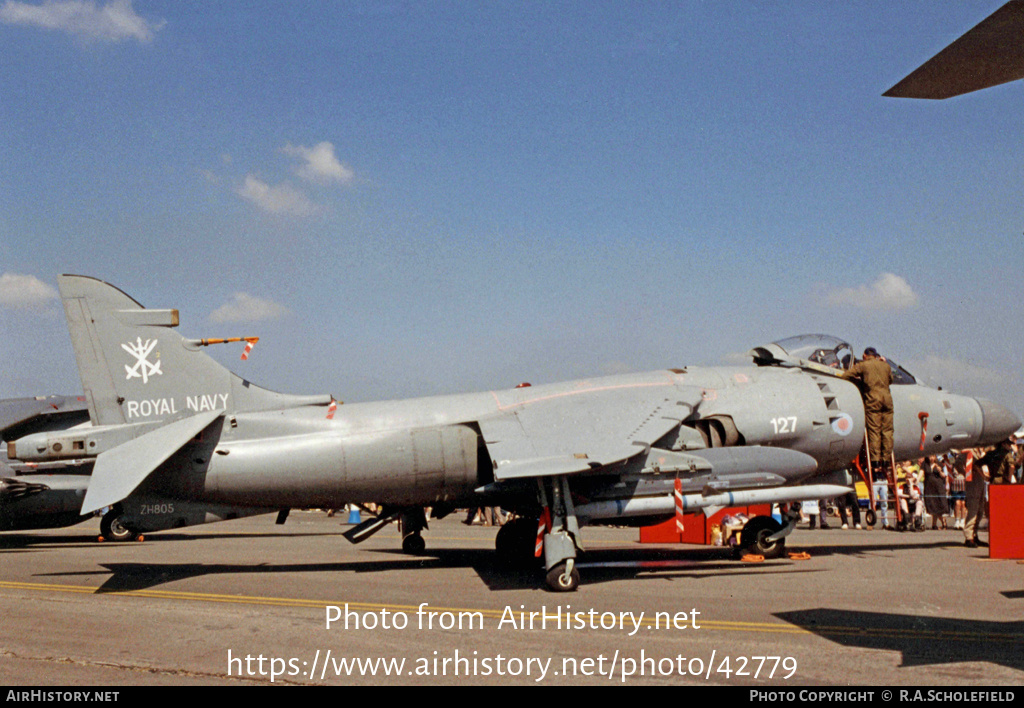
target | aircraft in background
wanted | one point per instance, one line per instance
(989, 54)
(23, 505)
(176, 440)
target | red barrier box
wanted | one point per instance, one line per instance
(1006, 521)
(696, 528)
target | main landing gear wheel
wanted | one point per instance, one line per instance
(754, 537)
(413, 544)
(515, 542)
(112, 529)
(560, 581)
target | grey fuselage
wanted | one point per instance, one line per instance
(176, 439)
(434, 451)
(430, 450)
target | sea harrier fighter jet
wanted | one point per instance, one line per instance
(176, 439)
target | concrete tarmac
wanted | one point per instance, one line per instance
(247, 602)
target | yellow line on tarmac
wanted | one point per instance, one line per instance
(367, 606)
(719, 625)
(238, 599)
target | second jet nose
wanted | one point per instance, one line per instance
(997, 422)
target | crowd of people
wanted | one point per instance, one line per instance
(950, 489)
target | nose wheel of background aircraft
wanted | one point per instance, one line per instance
(112, 529)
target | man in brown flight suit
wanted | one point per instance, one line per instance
(876, 376)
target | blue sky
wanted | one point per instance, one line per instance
(405, 199)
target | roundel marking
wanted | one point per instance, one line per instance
(843, 424)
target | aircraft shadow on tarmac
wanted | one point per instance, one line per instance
(599, 566)
(128, 577)
(19, 541)
(854, 550)
(921, 640)
(15, 542)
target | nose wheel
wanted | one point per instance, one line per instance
(756, 537)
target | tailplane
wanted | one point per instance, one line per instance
(135, 368)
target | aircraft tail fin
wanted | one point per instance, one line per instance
(135, 368)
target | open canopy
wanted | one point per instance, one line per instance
(821, 352)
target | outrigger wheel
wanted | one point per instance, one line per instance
(113, 529)
(561, 581)
(754, 537)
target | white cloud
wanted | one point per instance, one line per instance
(24, 291)
(248, 308)
(279, 199)
(112, 22)
(889, 292)
(321, 165)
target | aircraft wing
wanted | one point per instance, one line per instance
(989, 54)
(585, 429)
(19, 416)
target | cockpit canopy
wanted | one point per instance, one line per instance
(819, 352)
(819, 348)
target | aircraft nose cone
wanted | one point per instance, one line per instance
(997, 422)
